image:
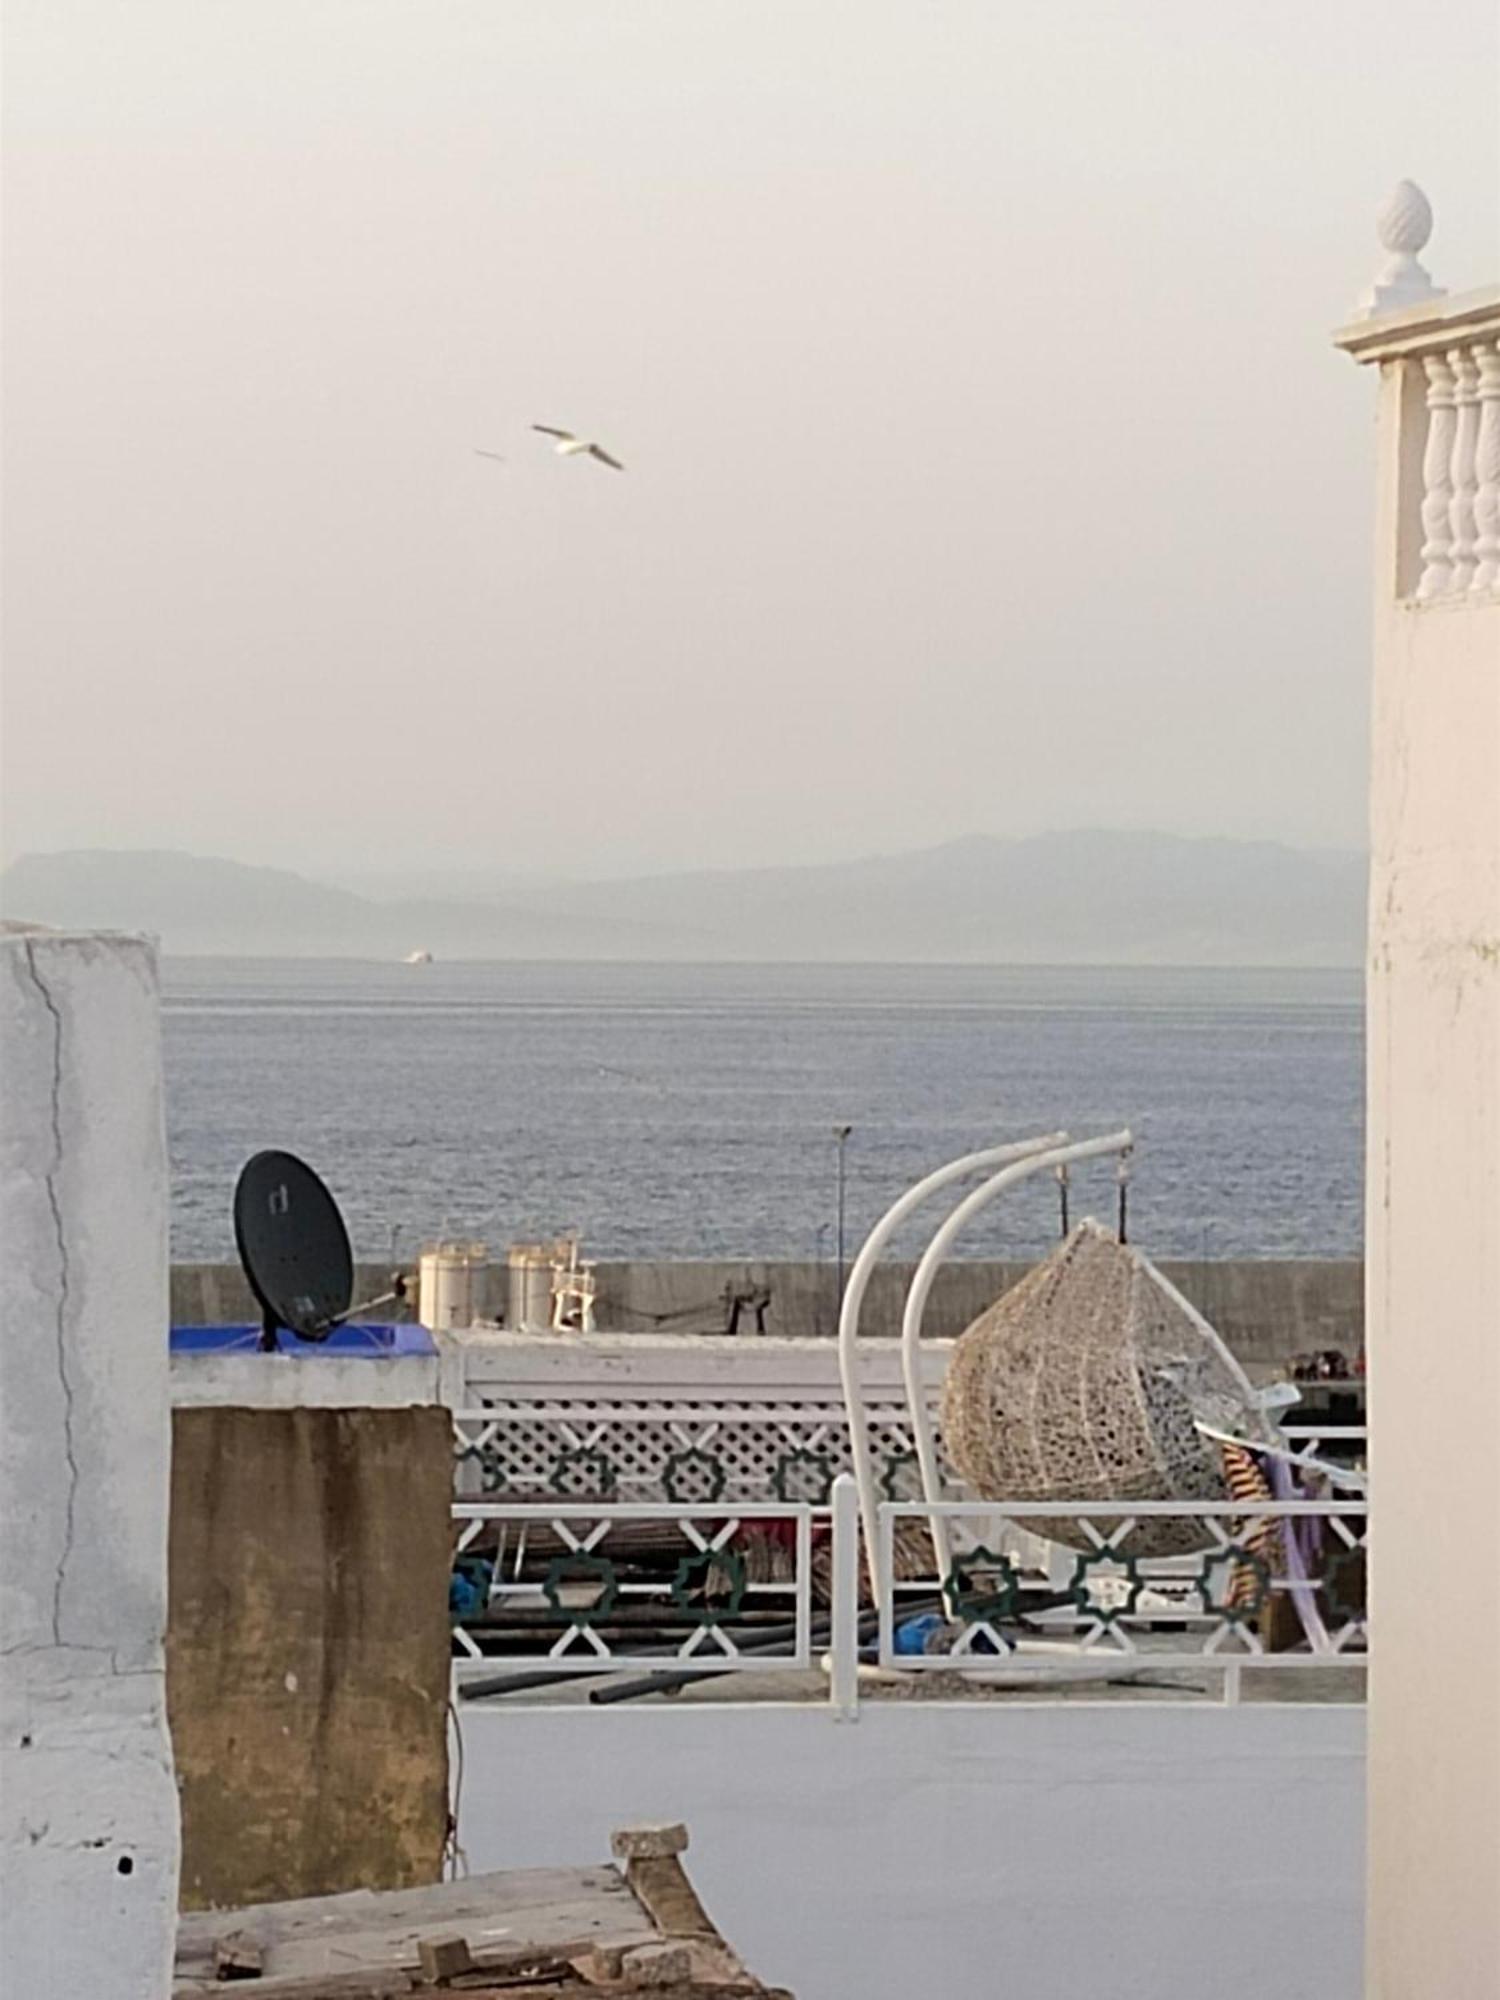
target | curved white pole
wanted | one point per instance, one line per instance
(854, 1298)
(916, 1307)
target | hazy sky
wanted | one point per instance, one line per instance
(989, 466)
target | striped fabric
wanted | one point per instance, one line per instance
(1245, 1480)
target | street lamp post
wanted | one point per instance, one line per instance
(841, 1136)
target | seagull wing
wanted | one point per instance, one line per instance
(480, 452)
(551, 431)
(598, 451)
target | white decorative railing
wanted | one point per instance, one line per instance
(1461, 472)
(1450, 451)
(1314, 1441)
(1118, 1604)
(1043, 1592)
(602, 1589)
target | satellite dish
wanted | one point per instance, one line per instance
(293, 1246)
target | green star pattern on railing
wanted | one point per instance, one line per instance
(485, 1456)
(588, 1470)
(1218, 1575)
(1106, 1561)
(803, 1476)
(1343, 1583)
(982, 1587)
(695, 1578)
(892, 1483)
(693, 1476)
(577, 1566)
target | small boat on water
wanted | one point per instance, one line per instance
(417, 958)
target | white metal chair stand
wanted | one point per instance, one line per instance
(1042, 1161)
(853, 1301)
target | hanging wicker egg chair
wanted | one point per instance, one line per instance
(1084, 1382)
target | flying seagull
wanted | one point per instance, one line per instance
(480, 452)
(569, 446)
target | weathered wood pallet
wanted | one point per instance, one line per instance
(536, 1934)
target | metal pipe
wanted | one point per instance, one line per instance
(676, 1677)
(530, 1679)
(667, 1678)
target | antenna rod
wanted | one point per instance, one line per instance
(398, 1293)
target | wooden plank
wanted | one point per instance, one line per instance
(340, 1986)
(308, 1970)
(527, 1933)
(238, 1957)
(508, 1888)
(555, 1930)
(669, 1898)
(529, 1983)
(344, 1986)
(547, 1986)
(389, 1961)
(510, 1893)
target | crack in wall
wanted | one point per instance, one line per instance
(24, 1648)
(64, 1277)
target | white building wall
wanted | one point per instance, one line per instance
(88, 1807)
(1433, 1188)
(1119, 1849)
(1433, 1314)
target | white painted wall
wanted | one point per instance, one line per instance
(1433, 1211)
(1134, 1851)
(311, 1382)
(88, 1806)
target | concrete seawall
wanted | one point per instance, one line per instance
(1267, 1309)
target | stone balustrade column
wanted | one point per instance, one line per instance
(1461, 475)
(1487, 471)
(1437, 479)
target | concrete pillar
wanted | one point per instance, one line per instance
(1432, 1204)
(88, 1806)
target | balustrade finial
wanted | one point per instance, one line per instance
(1403, 225)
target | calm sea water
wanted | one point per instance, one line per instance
(689, 1110)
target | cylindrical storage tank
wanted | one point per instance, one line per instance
(451, 1284)
(531, 1266)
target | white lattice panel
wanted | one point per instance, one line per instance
(684, 1452)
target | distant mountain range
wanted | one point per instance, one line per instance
(204, 907)
(1065, 898)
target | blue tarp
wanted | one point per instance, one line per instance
(374, 1342)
